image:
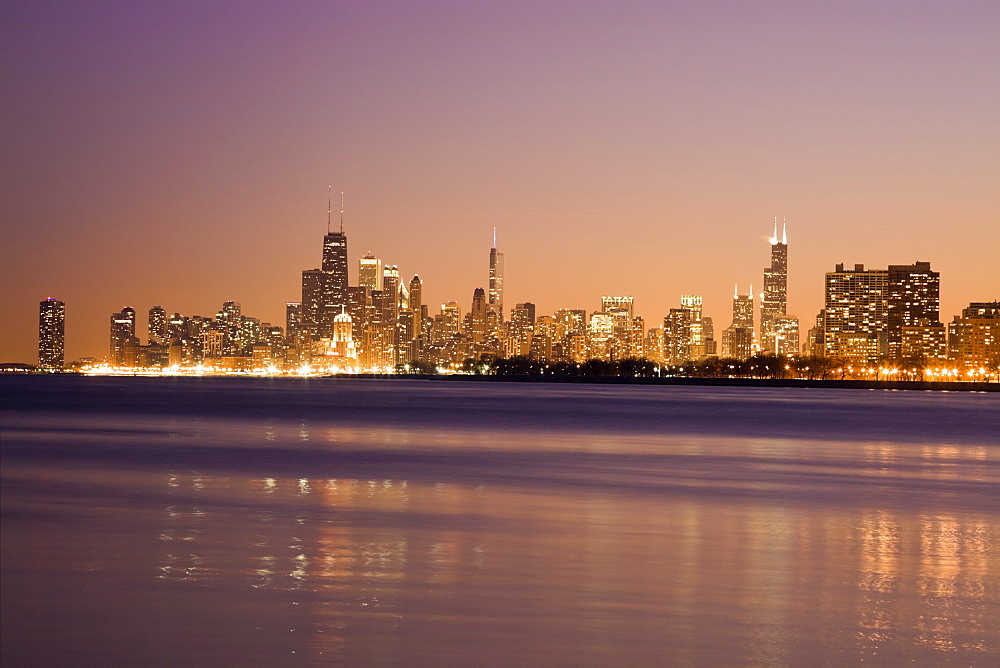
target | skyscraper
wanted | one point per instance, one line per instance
(370, 272)
(477, 328)
(856, 311)
(677, 336)
(913, 317)
(157, 325)
(880, 313)
(612, 304)
(693, 303)
(122, 336)
(324, 290)
(974, 336)
(774, 300)
(335, 257)
(737, 339)
(51, 333)
(496, 280)
(312, 305)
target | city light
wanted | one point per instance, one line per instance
(883, 323)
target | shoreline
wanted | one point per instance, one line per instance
(940, 386)
(911, 385)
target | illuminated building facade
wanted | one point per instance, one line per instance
(496, 284)
(677, 336)
(122, 337)
(600, 331)
(974, 336)
(157, 326)
(878, 314)
(693, 303)
(618, 305)
(775, 296)
(737, 339)
(857, 311)
(477, 316)
(913, 327)
(51, 334)
(786, 334)
(370, 272)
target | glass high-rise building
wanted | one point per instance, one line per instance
(774, 300)
(883, 313)
(122, 336)
(51, 333)
(157, 325)
(856, 311)
(913, 319)
(496, 280)
(370, 272)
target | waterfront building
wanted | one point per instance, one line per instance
(156, 326)
(122, 336)
(974, 336)
(856, 313)
(51, 334)
(913, 327)
(882, 313)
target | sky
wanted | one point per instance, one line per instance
(179, 154)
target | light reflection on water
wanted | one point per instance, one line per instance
(442, 544)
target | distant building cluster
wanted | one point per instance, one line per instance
(871, 317)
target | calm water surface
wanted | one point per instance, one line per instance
(252, 521)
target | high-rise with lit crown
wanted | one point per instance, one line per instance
(775, 297)
(370, 273)
(51, 333)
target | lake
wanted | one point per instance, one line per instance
(285, 521)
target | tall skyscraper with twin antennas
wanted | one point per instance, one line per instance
(774, 300)
(335, 260)
(324, 290)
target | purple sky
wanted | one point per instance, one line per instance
(179, 153)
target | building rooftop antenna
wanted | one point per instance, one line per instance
(341, 211)
(329, 207)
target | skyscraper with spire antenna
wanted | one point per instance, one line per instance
(496, 281)
(774, 300)
(324, 290)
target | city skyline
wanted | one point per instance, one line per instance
(326, 292)
(871, 317)
(637, 150)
